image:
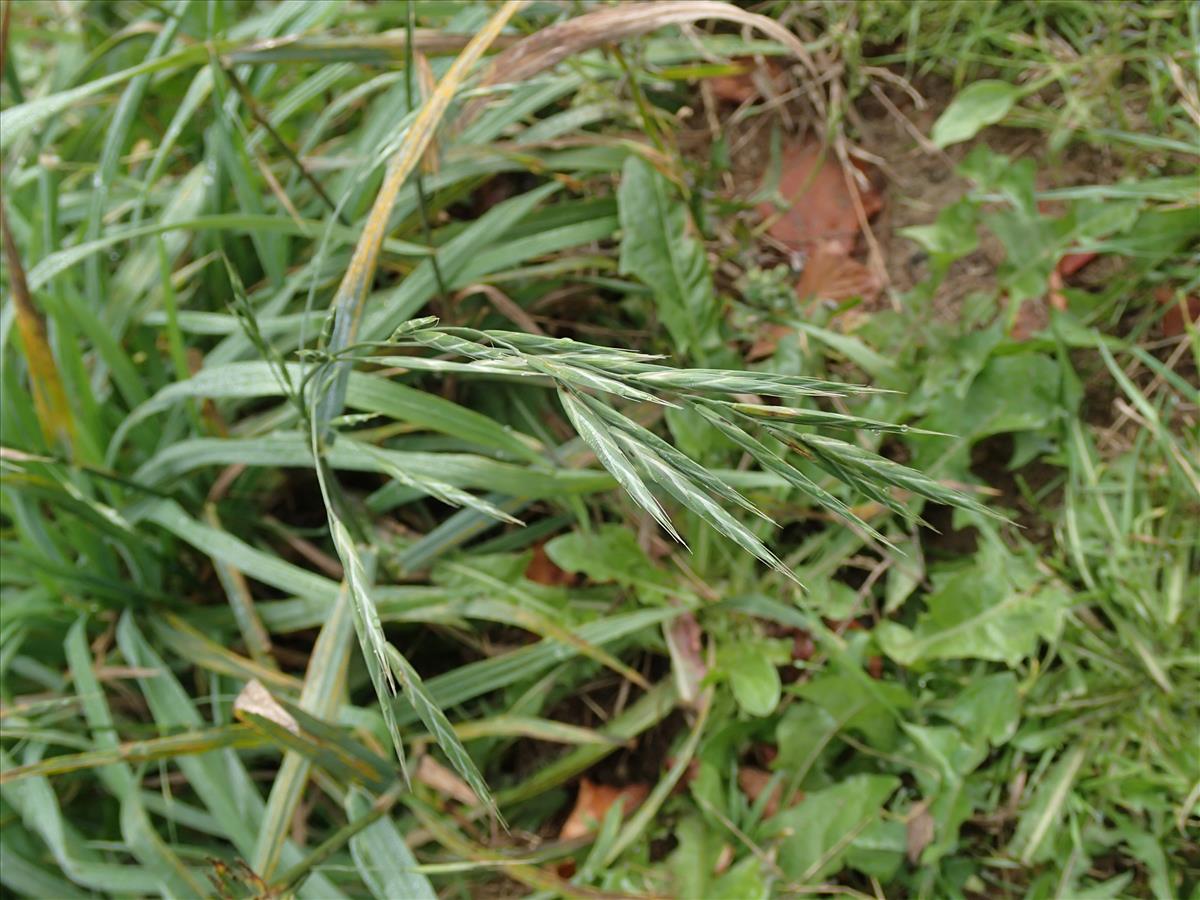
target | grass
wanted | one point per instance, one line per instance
(381, 456)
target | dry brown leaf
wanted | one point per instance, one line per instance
(821, 212)
(831, 275)
(432, 773)
(257, 700)
(685, 642)
(543, 570)
(1173, 319)
(1073, 262)
(753, 782)
(920, 831)
(745, 84)
(593, 802)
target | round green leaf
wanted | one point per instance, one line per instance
(755, 683)
(977, 106)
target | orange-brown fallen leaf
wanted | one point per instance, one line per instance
(920, 831)
(432, 773)
(753, 782)
(831, 275)
(745, 85)
(685, 642)
(821, 209)
(822, 222)
(593, 802)
(1073, 262)
(1173, 319)
(543, 570)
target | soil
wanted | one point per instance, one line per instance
(917, 181)
(640, 761)
(989, 461)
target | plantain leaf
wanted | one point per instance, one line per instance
(657, 247)
(980, 104)
(996, 608)
(816, 835)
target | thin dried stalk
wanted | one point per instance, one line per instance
(550, 46)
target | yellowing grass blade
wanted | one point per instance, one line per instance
(49, 398)
(352, 292)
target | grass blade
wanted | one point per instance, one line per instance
(348, 302)
(49, 398)
(382, 857)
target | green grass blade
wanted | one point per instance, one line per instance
(16, 121)
(63, 260)
(218, 777)
(383, 859)
(322, 695)
(349, 301)
(34, 801)
(116, 138)
(284, 449)
(25, 878)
